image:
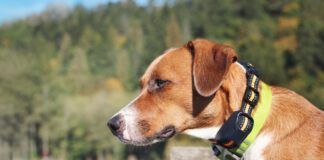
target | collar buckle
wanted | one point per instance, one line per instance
(224, 154)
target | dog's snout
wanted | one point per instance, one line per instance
(115, 125)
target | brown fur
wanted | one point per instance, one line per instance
(297, 126)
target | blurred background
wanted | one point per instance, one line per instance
(67, 66)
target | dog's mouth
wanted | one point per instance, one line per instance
(166, 133)
(163, 135)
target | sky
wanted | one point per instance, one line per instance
(16, 9)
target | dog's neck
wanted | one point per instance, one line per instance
(226, 100)
(234, 87)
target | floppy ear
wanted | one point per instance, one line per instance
(211, 63)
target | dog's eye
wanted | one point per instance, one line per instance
(160, 83)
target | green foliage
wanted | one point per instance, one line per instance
(64, 72)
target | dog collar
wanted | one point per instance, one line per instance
(241, 129)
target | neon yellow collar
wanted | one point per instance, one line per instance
(260, 116)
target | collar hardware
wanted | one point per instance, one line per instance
(225, 154)
(240, 130)
(234, 130)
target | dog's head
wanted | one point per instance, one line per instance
(175, 90)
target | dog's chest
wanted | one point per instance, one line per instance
(256, 150)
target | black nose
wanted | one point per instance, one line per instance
(115, 125)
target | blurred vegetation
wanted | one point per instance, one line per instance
(65, 71)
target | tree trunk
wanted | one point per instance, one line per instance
(38, 140)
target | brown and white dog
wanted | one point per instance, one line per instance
(195, 88)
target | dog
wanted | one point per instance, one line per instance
(195, 88)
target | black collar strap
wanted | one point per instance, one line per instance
(240, 123)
